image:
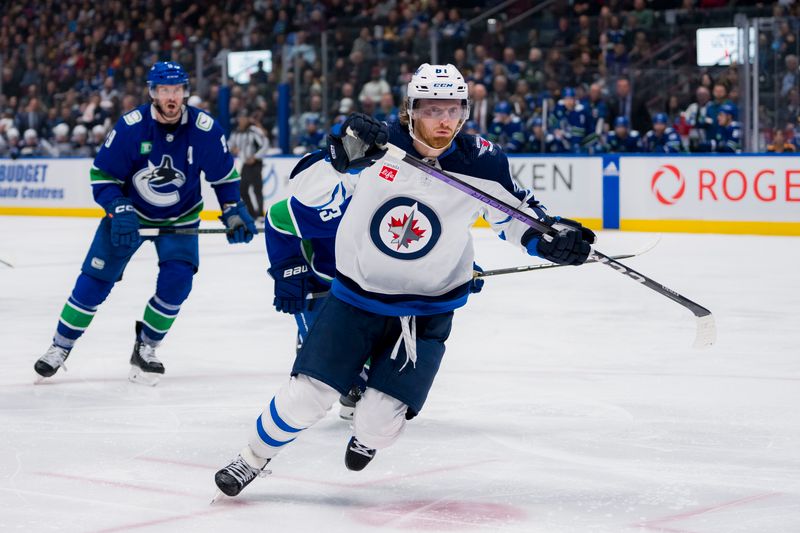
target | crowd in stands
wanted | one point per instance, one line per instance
(586, 76)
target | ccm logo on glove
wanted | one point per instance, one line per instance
(122, 208)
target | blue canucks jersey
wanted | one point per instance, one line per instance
(599, 112)
(576, 125)
(667, 142)
(158, 166)
(728, 138)
(549, 145)
(509, 137)
(616, 144)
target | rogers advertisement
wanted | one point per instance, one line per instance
(757, 189)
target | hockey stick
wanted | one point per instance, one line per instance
(155, 232)
(527, 268)
(489, 273)
(6, 263)
(706, 330)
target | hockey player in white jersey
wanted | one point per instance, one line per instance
(404, 259)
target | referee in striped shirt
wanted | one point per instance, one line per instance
(249, 144)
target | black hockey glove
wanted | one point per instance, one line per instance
(355, 153)
(291, 284)
(571, 245)
(586, 234)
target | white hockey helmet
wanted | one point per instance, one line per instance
(61, 130)
(30, 135)
(79, 131)
(437, 82)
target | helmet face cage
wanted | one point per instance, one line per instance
(437, 82)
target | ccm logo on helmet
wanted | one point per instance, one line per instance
(442, 85)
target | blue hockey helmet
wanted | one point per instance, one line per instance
(471, 125)
(502, 107)
(167, 73)
(568, 92)
(660, 118)
(622, 122)
(729, 109)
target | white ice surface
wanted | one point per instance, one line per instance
(569, 400)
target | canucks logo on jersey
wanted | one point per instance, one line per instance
(159, 185)
(405, 228)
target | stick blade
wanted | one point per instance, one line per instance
(706, 334)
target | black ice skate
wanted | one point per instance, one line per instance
(347, 404)
(357, 455)
(238, 474)
(146, 369)
(51, 361)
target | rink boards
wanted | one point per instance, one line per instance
(748, 194)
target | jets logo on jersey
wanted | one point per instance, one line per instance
(405, 228)
(484, 146)
(158, 185)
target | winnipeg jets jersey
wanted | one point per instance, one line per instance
(159, 166)
(403, 245)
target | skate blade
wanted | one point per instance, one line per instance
(39, 379)
(219, 496)
(346, 413)
(140, 377)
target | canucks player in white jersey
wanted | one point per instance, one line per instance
(404, 259)
(147, 174)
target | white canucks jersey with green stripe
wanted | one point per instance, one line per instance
(159, 166)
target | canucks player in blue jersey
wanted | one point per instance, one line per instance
(728, 135)
(147, 175)
(662, 138)
(404, 261)
(622, 139)
(572, 123)
(541, 142)
(506, 129)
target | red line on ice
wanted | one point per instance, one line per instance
(655, 524)
(332, 483)
(139, 525)
(119, 484)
